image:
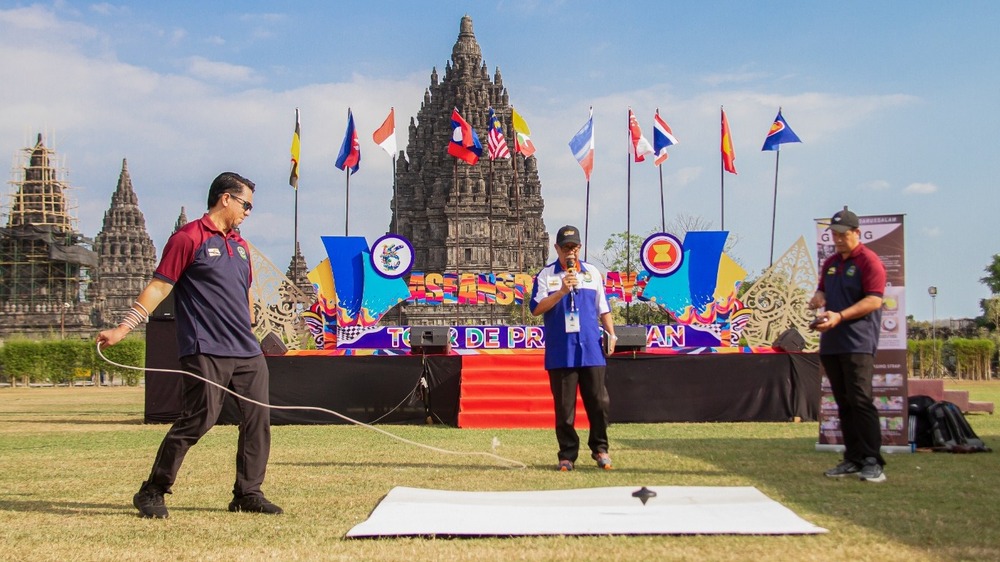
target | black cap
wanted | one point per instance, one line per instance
(568, 234)
(845, 220)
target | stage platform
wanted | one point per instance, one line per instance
(644, 387)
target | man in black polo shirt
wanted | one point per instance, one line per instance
(207, 265)
(851, 285)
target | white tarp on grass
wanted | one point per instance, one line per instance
(675, 510)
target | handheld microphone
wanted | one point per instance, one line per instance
(571, 265)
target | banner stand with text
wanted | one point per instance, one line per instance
(883, 234)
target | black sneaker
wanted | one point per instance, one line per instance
(149, 502)
(872, 471)
(843, 469)
(254, 504)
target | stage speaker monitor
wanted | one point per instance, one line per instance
(430, 340)
(790, 341)
(630, 338)
(272, 345)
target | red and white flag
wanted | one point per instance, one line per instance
(385, 136)
(639, 145)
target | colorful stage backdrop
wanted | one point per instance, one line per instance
(695, 281)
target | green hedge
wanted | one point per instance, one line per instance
(972, 357)
(66, 361)
(959, 357)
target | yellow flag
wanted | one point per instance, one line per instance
(293, 179)
(522, 138)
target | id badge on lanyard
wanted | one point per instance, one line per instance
(572, 321)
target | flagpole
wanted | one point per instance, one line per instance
(628, 210)
(394, 227)
(659, 168)
(722, 180)
(295, 269)
(458, 275)
(489, 222)
(347, 207)
(663, 212)
(294, 180)
(586, 222)
(774, 204)
(520, 248)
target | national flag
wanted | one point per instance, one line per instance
(780, 133)
(522, 138)
(662, 138)
(582, 145)
(293, 178)
(496, 142)
(464, 143)
(385, 136)
(640, 147)
(350, 149)
(728, 154)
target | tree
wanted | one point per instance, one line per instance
(614, 256)
(683, 223)
(992, 279)
(991, 311)
(614, 259)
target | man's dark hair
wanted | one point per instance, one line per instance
(227, 182)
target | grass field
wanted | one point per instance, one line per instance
(70, 460)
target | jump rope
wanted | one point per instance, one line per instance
(493, 456)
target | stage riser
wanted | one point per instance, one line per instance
(509, 391)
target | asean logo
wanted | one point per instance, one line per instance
(662, 254)
(392, 256)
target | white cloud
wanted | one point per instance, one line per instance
(214, 71)
(932, 231)
(920, 188)
(176, 36)
(25, 24)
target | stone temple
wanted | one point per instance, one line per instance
(462, 218)
(127, 254)
(46, 265)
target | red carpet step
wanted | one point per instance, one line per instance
(509, 391)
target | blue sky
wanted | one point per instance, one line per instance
(895, 103)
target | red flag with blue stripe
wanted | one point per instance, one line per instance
(350, 149)
(464, 143)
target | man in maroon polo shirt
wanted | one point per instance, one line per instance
(207, 265)
(851, 286)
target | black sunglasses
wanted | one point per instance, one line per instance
(247, 206)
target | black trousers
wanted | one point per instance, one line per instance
(564, 383)
(850, 376)
(202, 404)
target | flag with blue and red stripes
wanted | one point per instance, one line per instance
(350, 149)
(662, 138)
(464, 143)
(582, 145)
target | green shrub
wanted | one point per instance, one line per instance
(129, 351)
